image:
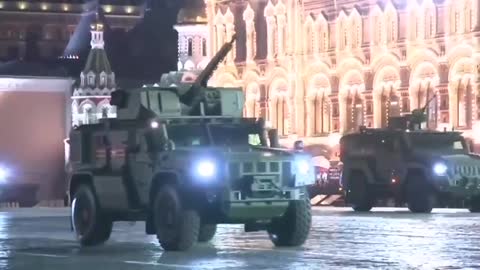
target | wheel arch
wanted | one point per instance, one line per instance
(162, 178)
(357, 168)
(159, 179)
(78, 179)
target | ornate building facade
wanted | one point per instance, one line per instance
(192, 31)
(316, 69)
(91, 99)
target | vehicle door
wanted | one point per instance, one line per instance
(140, 165)
(109, 161)
(388, 158)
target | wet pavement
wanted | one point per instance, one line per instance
(385, 239)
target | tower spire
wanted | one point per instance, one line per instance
(96, 28)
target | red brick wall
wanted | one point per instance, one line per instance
(32, 129)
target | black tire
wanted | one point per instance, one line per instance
(358, 193)
(91, 226)
(207, 232)
(419, 194)
(177, 227)
(293, 227)
(474, 204)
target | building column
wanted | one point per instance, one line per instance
(210, 10)
(250, 27)
(220, 36)
(342, 111)
(230, 28)
(281, 20)
(270, 37)
(377, 108)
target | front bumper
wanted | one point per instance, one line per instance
(464, 187)
(240, 206)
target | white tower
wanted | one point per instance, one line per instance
(91, 99)
(193, 51)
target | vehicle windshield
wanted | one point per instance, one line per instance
(222, 135)
(235, 134)
(438, 143)
(188, 135)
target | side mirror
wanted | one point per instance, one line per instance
(273, 138)
(119, 98)
(298, 145)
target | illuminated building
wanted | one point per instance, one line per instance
(91, 99)
(315, 68)
(192, 31)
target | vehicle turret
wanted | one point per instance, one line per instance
(172, 97)
(412, 121)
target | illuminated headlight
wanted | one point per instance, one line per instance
(303, 167)
(4, 174)
(440, 169)
(154, 124)
(206, 169)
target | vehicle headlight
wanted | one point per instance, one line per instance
(154, 124)
(440, 169)
(4, 174)
(206, 169)
(303, 167)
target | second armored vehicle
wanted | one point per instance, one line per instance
(185, 161)
(413, 166)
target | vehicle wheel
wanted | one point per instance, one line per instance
(474, 204)
(359, 196)
(91, 226)
(293, 227)
(177, 227)
(420, 196)
(207, 232)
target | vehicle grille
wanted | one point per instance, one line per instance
(467, 171)
(282, 168)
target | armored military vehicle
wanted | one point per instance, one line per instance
(183, 159)
(422, 168)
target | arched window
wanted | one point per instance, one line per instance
(354, 111)
(468, 13)
(88, 114)
(190, 47)
(281, 115)
(430, 22)
(308, 45)
(91, 80)
(356, 32)
(454, 20)
(105, 111)
(321, 121)
(204, 47)
(391, 25)
(343, 34)
(103, 80)
(252, 108)
(464, 100)
(389, 104)
(324, 35)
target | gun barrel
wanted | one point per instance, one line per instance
(194, 95)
